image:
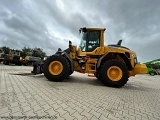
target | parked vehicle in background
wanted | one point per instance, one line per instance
(153, 64)
(2, 55)
(13, 58)
(30, 59)
(154, 72)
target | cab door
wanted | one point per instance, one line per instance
(93, 40)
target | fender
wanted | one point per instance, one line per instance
(122, 55)
(64, 53)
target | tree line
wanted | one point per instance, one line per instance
(37, 52)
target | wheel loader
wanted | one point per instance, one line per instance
(2, 55)
(111, 64)
(154, 72)
(30, 58)
(13, 58)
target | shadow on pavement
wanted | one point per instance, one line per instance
(84, 80)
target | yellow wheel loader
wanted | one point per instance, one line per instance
(30, 58)
(111, 64)
(13, 58)
(2, 55)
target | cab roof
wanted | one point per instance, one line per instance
(92, 28)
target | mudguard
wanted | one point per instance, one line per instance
(123, 56)
(69, 60)
(38, 67)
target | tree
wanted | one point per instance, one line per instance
(25, 50)
(6, 49)
(38, 52)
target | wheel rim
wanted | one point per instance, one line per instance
(114, 73)
(55, 67)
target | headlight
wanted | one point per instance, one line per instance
(133, 55)
(135, 60)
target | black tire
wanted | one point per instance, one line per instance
(41, 68)
(152, 73)
(118, 65)
(64, 73)
(26, 64)
(70, 71)
(19, 64)
(6, 62)
(96, 74)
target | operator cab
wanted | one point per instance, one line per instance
(90, 40)
(15, 52)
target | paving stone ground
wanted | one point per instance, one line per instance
(24, 96)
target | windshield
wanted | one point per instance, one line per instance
(15, 52)
(90, 40)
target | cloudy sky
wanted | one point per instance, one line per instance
(50, 24)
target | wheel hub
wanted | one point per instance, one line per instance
(55, 67)
(114, 73)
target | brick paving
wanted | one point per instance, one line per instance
(79, 97)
